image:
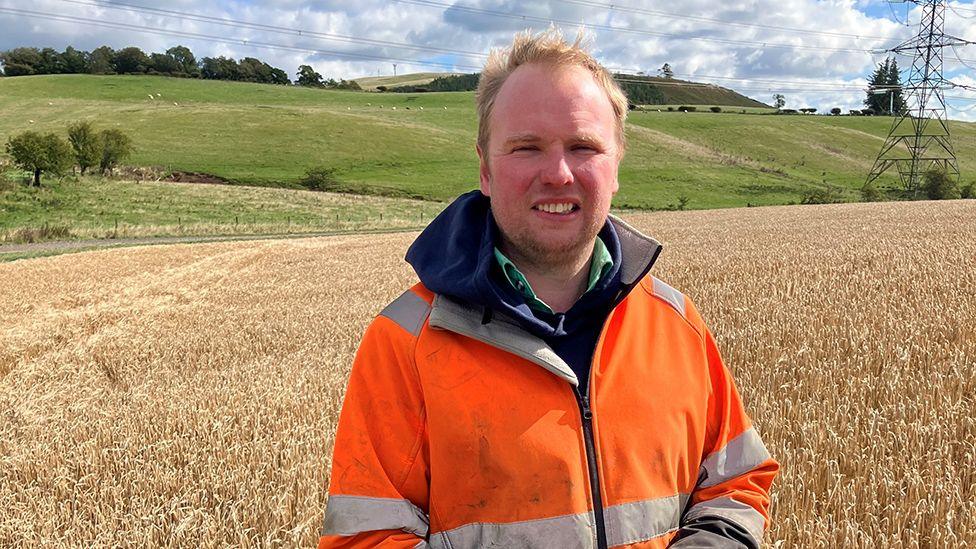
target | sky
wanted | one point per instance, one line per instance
(816, 53)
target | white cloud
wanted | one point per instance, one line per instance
(820, 71)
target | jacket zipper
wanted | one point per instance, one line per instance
(587, 415)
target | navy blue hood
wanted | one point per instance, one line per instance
(454, 256)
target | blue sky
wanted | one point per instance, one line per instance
(816, 53)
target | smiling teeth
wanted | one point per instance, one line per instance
(556, 208)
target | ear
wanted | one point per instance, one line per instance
(483, 171)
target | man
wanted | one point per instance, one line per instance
(538, 388)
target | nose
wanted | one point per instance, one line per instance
(556, 170)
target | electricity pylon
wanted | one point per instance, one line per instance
(919, 137)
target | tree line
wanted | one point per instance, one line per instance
(177, 61)
(86, 148)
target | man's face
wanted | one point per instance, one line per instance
(551, 164)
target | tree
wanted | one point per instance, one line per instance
(884, 94)
(939, 185)
(164, 64)
(86, 144)
(51, 62)
(255, 70)
(184, 57)
(779, 100)
(20, 61)
(666, 71)
(100, 61)
(40, 153)
(279, 76)
(116, 147)
(894, 82)
(130, 61)
(835, 111)
(74, 61)
(308, 77)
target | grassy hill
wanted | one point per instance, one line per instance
(674, 91)
(270, 135)
(413, 79)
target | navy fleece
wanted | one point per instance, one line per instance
(454, 256)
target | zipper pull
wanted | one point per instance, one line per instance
(587, 413)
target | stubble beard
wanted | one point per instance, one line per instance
(531, 251)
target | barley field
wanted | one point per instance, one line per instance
(186, 395)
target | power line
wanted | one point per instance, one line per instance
(628, 30)
(223, 40)
(271, 28)
(630, 9)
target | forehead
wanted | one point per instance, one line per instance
(547, 100)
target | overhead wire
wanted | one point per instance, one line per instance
(269, 28)
(235, 41)
(672, 15)
(627, 30)
(748, 84)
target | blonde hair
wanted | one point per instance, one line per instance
(546, 47)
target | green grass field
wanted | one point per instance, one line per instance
(270, 135)
(103, 208)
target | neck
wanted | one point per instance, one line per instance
(560, 284)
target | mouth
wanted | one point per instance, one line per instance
(556, 208)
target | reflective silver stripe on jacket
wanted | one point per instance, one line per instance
(567, 531)
(501, 332)
(409, 311)
(741, 455)
(643, 520)
(675, 298)
(351, 515)
(734, 511)
(626, 523)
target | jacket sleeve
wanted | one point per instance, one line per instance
(729, 506)
(378, 492)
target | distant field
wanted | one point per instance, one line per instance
(103, 208)
(413, 79)
(187, 396)
(269, 135)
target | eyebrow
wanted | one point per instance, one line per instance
(586, 138)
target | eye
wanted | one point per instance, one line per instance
(525, 148)
(584, 148)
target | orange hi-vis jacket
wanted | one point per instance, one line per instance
(457, 433)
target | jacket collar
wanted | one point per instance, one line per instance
(638, 254)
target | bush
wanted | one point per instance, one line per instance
(320, 179)
(116, 147)
(829, 195)
(939, 185)
(835, 111)
(969, 191)
(86, 144)
(715, 109)
(670, 109)
(684, 108)
(870, 193)
(38, 153)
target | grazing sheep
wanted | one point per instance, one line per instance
(369, 104)
(394, 108)
(421, 108)
(175, 104)
(151, 96)
(30, 121)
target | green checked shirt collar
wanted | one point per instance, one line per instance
(599, 265)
